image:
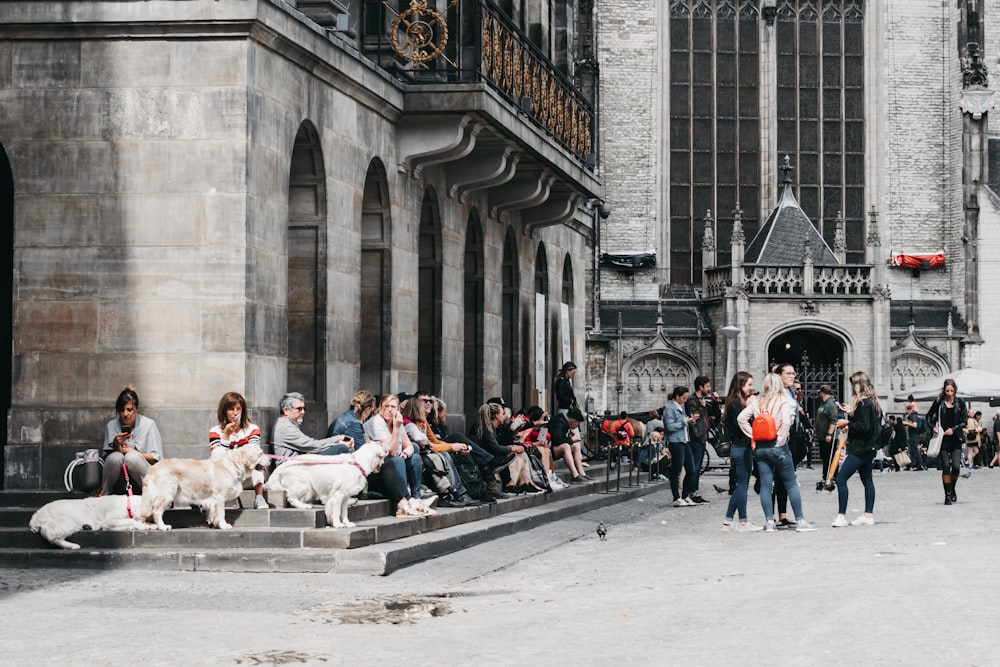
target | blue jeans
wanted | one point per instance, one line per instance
(742, 458)
(916, 458)
(772, 460)
(334, 450)
(401, 477)
(698, 457)
(863, 466)
(681, 459)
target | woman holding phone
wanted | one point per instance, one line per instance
(130, 440)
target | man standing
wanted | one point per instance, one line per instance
(704, 407)
(912, 423)
(288, 438)
(826, 424)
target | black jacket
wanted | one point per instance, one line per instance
(864, 426)
(950, 419)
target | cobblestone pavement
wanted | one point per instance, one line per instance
(666, 587)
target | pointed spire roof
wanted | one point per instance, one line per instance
(787, 233)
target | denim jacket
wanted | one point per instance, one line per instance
(675, 423)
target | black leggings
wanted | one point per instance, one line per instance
(950, 461)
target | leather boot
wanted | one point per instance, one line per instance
(948, 486)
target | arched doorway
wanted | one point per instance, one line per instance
(474, 305)
(509, 381)
(6, 291)
(307, 275)
(429, 327)
(376, 281)
(818, 357)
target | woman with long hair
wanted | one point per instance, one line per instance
(773, 457)
(740, 453)
(565, 398)
(402, 469)
(948, 413)
(484, 433)
(864, 424)
(233, 430)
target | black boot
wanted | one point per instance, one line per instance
(948, 486)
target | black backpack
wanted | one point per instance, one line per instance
(886, 433)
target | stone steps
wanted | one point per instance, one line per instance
(293, 540)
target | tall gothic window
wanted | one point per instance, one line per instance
(714, 126)
(821, 111)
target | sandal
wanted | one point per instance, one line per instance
(405, 509)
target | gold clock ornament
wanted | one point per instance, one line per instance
(419, 34)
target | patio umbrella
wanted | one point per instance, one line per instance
(973, 385)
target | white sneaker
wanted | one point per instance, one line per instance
(864, 521)
(690, 503)
(729, 527)
(680, 503)
(748, 527)
(840, 521)
(259, 503)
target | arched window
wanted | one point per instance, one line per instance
(429, 343)
(474, 305)
(376, 281)
(6, 283)
(307, 269)
(510, 299)
(539, 378)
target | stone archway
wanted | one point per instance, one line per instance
(818, 357)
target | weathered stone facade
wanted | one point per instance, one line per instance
(211, 196)
(924, 181)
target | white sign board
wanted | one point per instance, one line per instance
(541, 379)
(564, 322)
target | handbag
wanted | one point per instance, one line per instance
(902, 459)
(934, 444)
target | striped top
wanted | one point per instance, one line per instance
(246, 436)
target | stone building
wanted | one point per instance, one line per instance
(261, 196)
(794, 180)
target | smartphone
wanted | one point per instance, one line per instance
(126, 429)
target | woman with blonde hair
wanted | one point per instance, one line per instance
(403, 468)
(773, 457)
(864, 424)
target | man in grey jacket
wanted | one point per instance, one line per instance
(288, 438)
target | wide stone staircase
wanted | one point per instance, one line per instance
(291, 540)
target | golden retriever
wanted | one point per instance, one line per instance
(330, 479)
(208, 483)
(61, 518)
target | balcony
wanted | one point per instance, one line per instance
(760, 280)
(482, 102)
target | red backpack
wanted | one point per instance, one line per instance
(764, 429)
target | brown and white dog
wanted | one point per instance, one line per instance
(330, 479)
(61, 518)
(209, 483)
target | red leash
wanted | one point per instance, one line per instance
(128, 490)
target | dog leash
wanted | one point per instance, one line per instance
(353, 461)
(128, 490)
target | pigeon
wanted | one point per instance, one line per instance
(719, 489)
(602, 530)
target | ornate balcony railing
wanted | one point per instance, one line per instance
(472, 41)
(758, 279)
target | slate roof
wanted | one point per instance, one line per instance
(782, 238)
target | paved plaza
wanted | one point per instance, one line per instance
(666, 587)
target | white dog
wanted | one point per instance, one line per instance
(208, 483)
(330, 479)
(61, 518)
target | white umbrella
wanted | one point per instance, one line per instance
(973, 385)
